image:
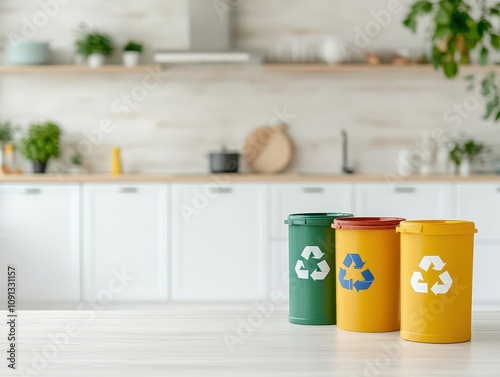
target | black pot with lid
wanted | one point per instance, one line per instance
(224, 161)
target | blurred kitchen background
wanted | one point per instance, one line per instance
(341, 84)
(198, 109)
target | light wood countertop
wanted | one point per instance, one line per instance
(225, 178)
(211, 342)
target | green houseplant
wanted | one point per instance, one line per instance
(131, 53)
(95, 47)
(76, 160)
(133, 46)
(466, 152)
(6, 133)
(41, 144)
(456, 29)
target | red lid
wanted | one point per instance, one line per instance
(373, 223)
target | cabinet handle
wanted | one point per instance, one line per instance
(32, 191)
(405, 190)
(129, 190)
(221, 190)
(313, 190)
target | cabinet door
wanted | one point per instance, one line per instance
(125, 235)
(486, 294)
(39, 230)
(307, 198)
(279, 269)
(408, 200)
(480, 202)
(219, 241)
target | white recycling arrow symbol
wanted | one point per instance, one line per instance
(302, 273)
(427, 261)
(445, 287)
(322, 269)
(416, 284)
(314, 250)
(417, 280)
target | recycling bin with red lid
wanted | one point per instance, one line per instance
(367, 273)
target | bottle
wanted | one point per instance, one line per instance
(116, 163)
(2, 165)
(8, 164)
(443, 165)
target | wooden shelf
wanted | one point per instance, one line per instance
(240, 177)
(370, 68)
(319, 68)
(76, 69)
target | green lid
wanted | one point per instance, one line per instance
(315, 219)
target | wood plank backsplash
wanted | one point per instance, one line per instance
(174, 123)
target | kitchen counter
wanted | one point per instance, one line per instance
(224, 178)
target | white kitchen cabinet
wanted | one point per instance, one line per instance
(408, 200)
(39, 236)
(279, 269)
(480, 202)
(306, 198)
(125, 234)
(486, 294)
(219, 241)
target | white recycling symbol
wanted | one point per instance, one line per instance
(318, 274)
(417, 280)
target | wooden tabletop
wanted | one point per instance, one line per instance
(257, 341)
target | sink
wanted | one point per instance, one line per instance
(321, 174)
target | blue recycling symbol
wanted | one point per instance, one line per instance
(359, 285)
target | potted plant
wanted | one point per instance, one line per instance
(95, 47)
(465, 153)
(132, 53)
(76, 160)
(41, 143)
(6, 133)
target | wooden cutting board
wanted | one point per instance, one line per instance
(268, 149)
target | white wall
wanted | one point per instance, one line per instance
(197, 109)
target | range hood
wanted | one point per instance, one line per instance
(210, 36)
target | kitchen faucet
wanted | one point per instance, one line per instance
(345, 167)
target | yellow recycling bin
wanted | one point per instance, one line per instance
(367, 260)
(436, 280)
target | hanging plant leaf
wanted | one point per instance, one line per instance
(484, 56)
(490, 106)
(495, 40)
(450, 68)
(457, 32)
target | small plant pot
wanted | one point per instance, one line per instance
(464, 168)
(96, 60)
(131, 58)
(39, 167)
(76, 170)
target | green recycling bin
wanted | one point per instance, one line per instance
(311, 262)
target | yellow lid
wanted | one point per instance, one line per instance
(437, 227)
